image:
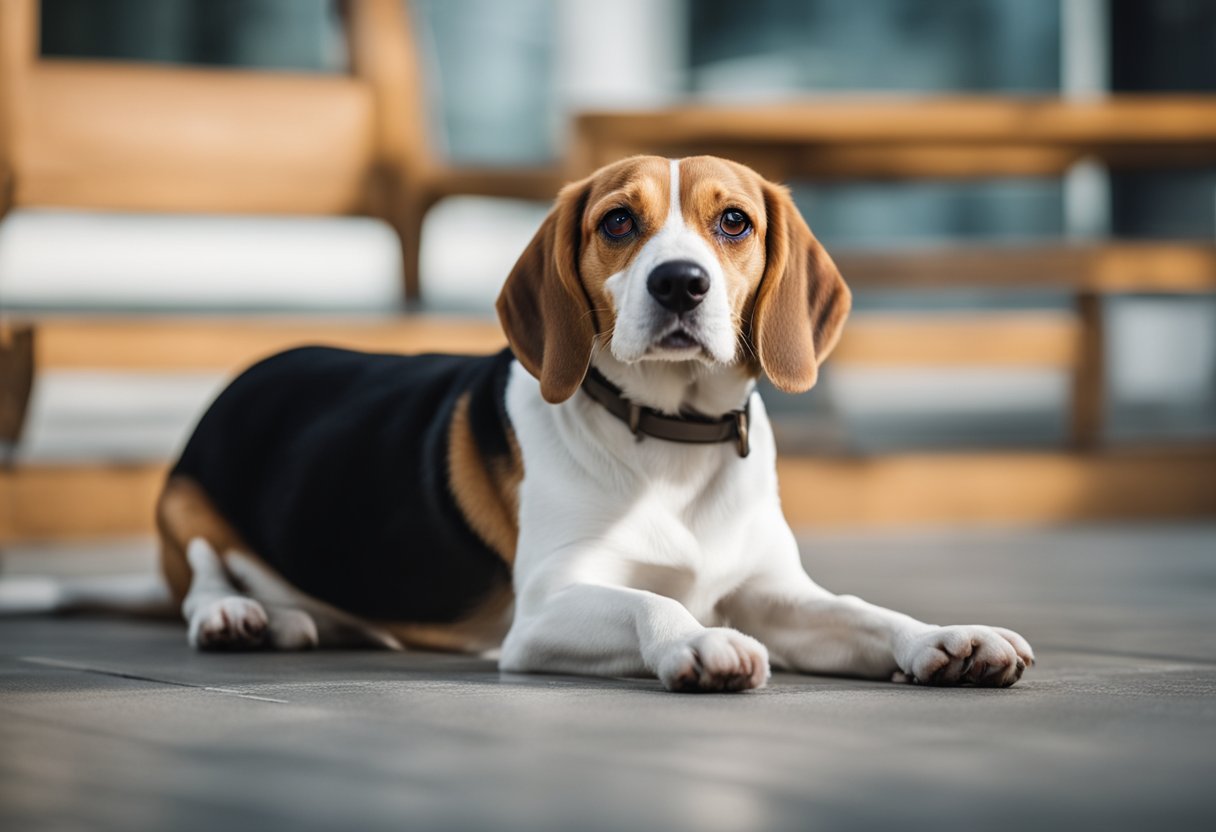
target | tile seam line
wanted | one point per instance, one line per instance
(119, 674)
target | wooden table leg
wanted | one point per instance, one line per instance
(1089, 379)
(16, 383)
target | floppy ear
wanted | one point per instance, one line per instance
(543, 306)
(802, 301)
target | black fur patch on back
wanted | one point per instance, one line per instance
(333, 466)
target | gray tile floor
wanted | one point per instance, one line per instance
(114, 724)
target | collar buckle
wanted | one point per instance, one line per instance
(742, 441)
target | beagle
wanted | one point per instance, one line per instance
(600, 499)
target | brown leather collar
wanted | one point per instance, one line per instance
(733, 427)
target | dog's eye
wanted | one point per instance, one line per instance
(618, 223)
(734, 223)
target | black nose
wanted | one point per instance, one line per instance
(678, 285)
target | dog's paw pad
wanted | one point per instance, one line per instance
(232, 623)
(718, 659)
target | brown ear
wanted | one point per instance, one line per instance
(543, 306)
(802, 301)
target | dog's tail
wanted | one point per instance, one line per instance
(143, 594)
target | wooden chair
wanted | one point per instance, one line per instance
(112, 135)
(150, 137)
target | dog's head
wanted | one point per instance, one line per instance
(697, 259)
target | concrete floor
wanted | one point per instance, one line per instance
(114, 724)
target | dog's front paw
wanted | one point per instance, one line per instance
(964, 655)
(231, 623)
(717, 659)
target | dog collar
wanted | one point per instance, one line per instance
(646, 421)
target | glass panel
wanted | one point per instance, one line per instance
(272, 34)
(774, 46)
(492, 76)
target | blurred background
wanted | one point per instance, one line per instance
(1017, 427)
(1021, 192)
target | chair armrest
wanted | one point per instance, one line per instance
(537, 183)
(383, 55)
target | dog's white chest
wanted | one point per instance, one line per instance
(686, 543)
(598, 505)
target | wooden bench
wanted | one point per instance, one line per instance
(838, 140)
(877, 138)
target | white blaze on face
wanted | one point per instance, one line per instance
(641, 320)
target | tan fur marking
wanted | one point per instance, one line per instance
(486, 490)
(482, 629)
(708, 187)
(641, 185)
(183, 513)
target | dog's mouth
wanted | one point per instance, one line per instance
(679, 339)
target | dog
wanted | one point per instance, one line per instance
(600, 498)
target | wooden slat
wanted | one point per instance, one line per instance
(1174, 267)
(999, 487)
(64, 502)
(171, 344)
(971, 161)
(914, 137)
(1127, 119)
(1006, 339)
(77, 501)
(830, 162)
(538, 183)
(941, 161)
(119, 136)
(167, 344)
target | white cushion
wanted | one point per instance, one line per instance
(60, 259)
(470, 244)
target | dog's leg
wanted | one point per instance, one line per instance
(615, 631)
(811, 630)
(218, 615)
(297, 619)
(265, 612)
